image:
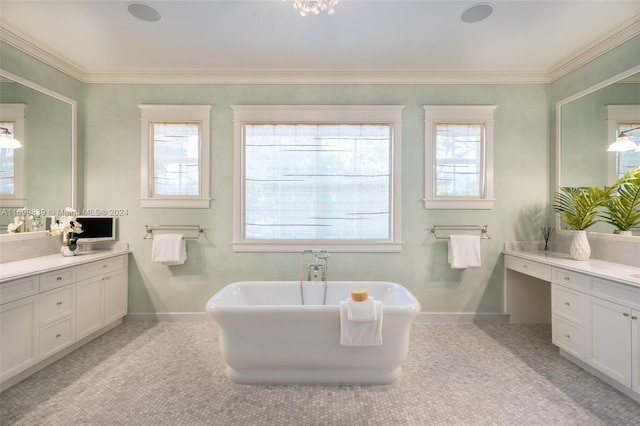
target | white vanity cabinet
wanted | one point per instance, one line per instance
(102, 294)
(595, 312)
(44, 316)
(19, 338)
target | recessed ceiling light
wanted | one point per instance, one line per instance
(143, 12)
(477, 13)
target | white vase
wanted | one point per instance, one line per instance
(67, 252)
(580, 248)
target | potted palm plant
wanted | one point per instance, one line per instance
(579, 209)
(623, 210)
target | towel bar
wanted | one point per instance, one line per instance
(150, 229)
(483, 230)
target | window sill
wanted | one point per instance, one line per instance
(13, 202)
(298, 247)
(169, 203)
(459, 204)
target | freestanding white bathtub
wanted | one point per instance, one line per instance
(268, 337)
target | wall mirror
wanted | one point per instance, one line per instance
(49, 152)
(584, 132)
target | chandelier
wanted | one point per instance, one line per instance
(314, 6)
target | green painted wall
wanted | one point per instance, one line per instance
(112, 162)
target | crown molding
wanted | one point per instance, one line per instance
(615, 37)
(270, 76)
(17, 38)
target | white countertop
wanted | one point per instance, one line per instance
(617, 272)
(39, 265)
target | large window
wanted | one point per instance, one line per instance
(12, 167)
(175, 156)
(324, 176)
(458, 151)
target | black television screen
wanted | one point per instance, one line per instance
(97, 228)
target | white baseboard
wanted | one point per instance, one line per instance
(422, 317)
(460, 317)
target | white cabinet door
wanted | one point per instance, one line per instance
(609, 339)
(115, 296)
(90, 310)
(635, 350)
(19, 341)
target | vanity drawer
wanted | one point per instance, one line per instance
(569, 304)
(57, 336)
(568, 336)
(57, 279)
(14, 290)
(101, 267)
(570, 279)
(528, 267)
(616, 293)
(57, 304)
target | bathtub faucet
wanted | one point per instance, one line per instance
(318, 269)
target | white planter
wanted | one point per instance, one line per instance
(580, 248)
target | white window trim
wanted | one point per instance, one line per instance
(458, 114)
(151, 113)
(615, 115)
(317, 114)
(16, 114)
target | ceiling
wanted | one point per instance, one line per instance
(99, 40)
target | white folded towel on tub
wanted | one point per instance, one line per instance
(169, 249)
(464, 251)
(361, 332)
(363, 310)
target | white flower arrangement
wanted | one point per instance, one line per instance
(67, 225)
(26, 223)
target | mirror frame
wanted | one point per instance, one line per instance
(74, 117)
(559, 105)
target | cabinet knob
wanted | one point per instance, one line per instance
(568, 336)
(634, 317)
(567, 278)
(567, 304)
(58, 278)
(58, 336)
(625, 314)
(59, 303)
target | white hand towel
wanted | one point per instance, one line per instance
(363, 310)
(169, 249)
(360, 333)
(464, 251)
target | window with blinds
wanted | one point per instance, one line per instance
(324, 176)
(459, 157)
(628, 160)
(13, 188)
(175, 156)
(7, 165)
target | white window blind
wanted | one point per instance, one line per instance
(176, 158)
(459, 160)
(7, 165)
(628, 160)
(317, 177)
(317, 181)
(12, 161)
